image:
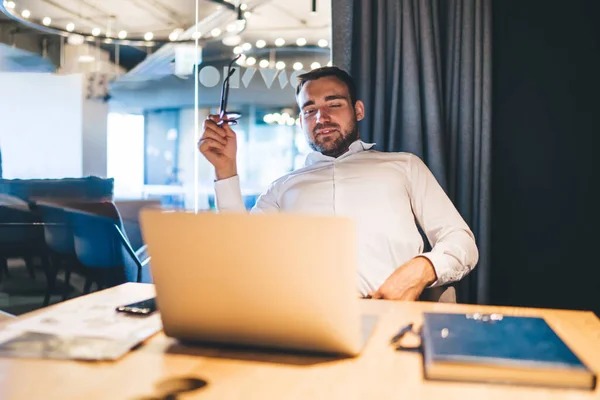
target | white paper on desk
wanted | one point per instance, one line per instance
(86, 329)
(93, 317)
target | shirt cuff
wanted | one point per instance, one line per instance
(228, 195)
(440, 265)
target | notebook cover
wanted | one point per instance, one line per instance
(520, 341)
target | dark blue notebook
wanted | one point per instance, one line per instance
(492, 347)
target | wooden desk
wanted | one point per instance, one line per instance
(379, 373)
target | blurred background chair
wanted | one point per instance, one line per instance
(102, 246)
(21, 235)
(58, 234)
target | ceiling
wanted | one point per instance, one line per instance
(152, 68)
(266, 19)
(134, 16)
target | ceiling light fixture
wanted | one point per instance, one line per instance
(215, 32)
(301, 42)
(244, 7)
(86, 58)
(96, 31)
(279, 42)
(196, 35)
(238, 50)
(297, 66)
(148, 36)
(260, 43)
(122, 34)
(173, 36)
(232, 40)
(247, 14)
(26, 13)
(10, 4)
(315, 65)
(280, 65)
(47, 21)
(70, 27)
(264, 63)
(250, 61)
(246, 46)
(323, 43)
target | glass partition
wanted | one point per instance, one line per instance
(102, 102)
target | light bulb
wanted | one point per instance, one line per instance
(297, 66)
(26, 13)
(260, 44)
(301, 42)
(280, 65)
(47, 21)
(323, 43)
(264, 63)
(250, 61)
(279, 42)
(122, 34)
(315, 65)
(70, 27)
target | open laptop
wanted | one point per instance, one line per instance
(278, 280)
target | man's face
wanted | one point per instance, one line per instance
(327, 115)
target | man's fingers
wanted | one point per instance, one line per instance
(209, 124)
(211, 134)
(228, 131)
(210, 144)
(213, 122)
(377, 295)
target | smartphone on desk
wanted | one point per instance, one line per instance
(141, 308)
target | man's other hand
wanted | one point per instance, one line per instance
(408, 281)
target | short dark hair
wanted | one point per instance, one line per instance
(325, 72)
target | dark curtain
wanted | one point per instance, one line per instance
(423, 70)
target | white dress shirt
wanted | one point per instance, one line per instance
(384, 193)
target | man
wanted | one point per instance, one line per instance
(386, 194)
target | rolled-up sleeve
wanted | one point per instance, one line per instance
(454, 251)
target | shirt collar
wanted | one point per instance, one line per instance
(355, 147)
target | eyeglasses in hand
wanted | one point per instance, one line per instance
(228, 117)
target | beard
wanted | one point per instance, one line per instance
(334, 145)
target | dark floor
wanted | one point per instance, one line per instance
(19, 293)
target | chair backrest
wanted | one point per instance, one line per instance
(18, 223)
(97, 240)
(58, 231)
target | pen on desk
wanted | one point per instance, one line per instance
(403, 331)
